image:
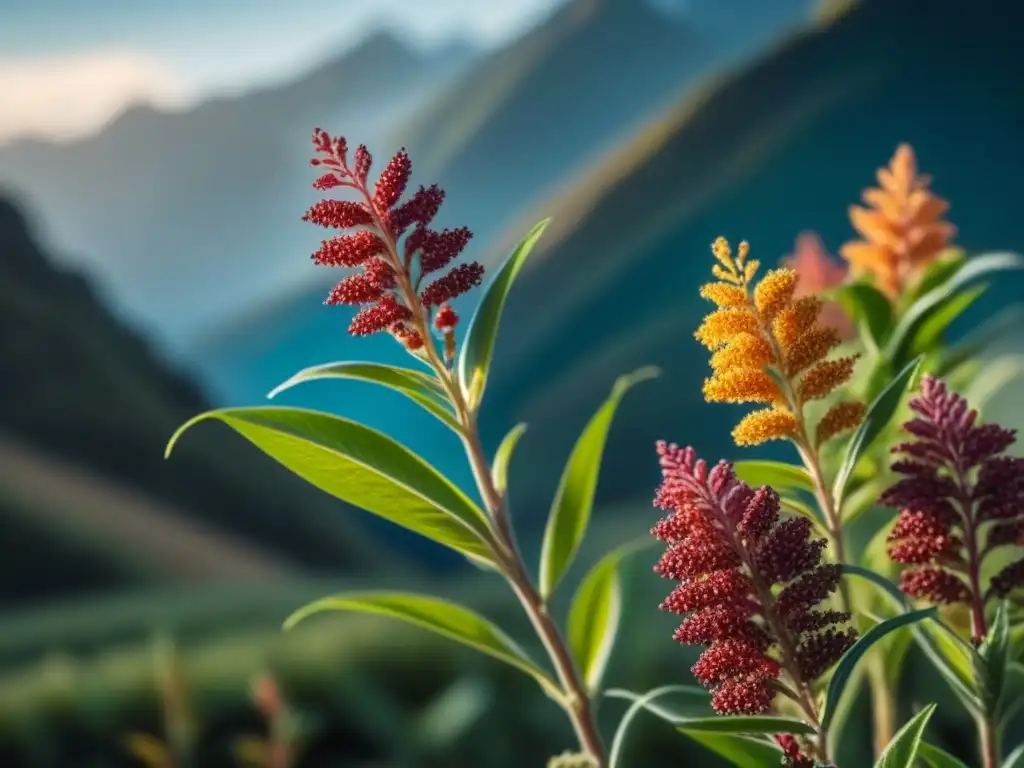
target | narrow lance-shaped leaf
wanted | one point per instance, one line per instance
(439, 616)
(740, 751)
(779, 475)
(934, 757)
(929, 335)
(898, 600)
(420, 387)
(503, 457)
(878, 416)
(902, 750)
(992, 659)
(733, 725)
(871, 309)
(844, 669)
(1015, 759)
(690, 701)
(478, 346)
(716, 732)
(972, 270)
(574, 499)
(594, 615)
(363, 467)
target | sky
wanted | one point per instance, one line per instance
(69, 66)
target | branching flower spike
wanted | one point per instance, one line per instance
(903, 229)
(959, 500)
(751, 586)
(769, 347)
(389, 285)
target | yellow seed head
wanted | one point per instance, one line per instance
(775, 292)
(742, 385)
(840, 418)
(825, 377)
(810, 348)
(725, 295)
(745, 351)
(724, 325)
(764, 425)
(796, 319)
(723, 252)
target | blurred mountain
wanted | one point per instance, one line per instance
(187, 217)
(763, 152)
(529, 115)
(86, 497)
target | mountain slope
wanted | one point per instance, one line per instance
(78, 387)
(774, 149)
(596, 70)
(187, 217)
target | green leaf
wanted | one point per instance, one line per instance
(574, 499)
(999, 372)
(478, 346)
(639, 704)
(421, 388)
(972, 270)
(737, 724)
(733, 725)
(1015, 759)
(844, 669)
(779, 475)
(439, 616)
(363, 467)
(741, 751)
(870, 309)
(929, 334)
(938, 758)
(994, 656)
(875, 421)
(935, 274)
(747, 724)
(692, 698)
(1013, 696)
(594, 616)
(503, 457)
(898, 600)
(902, 750)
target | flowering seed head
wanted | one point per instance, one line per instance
(349, 250)
(902, 229)
(392, 182)
(339, 214)
(768, 346)
(743, 385)
(387, 284)
(454, 284)
(774, 292)
(954, 479)
(749, 584)
(445, 320)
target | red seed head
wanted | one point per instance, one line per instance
(392, 182)
(954, 478)
(445, 320)
(728, 548)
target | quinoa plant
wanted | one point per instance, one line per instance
(765, 576)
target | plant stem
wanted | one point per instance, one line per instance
(883, 703)
(575, 698)
(989, 743)
(577, 705)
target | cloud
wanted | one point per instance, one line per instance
(65, 97)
